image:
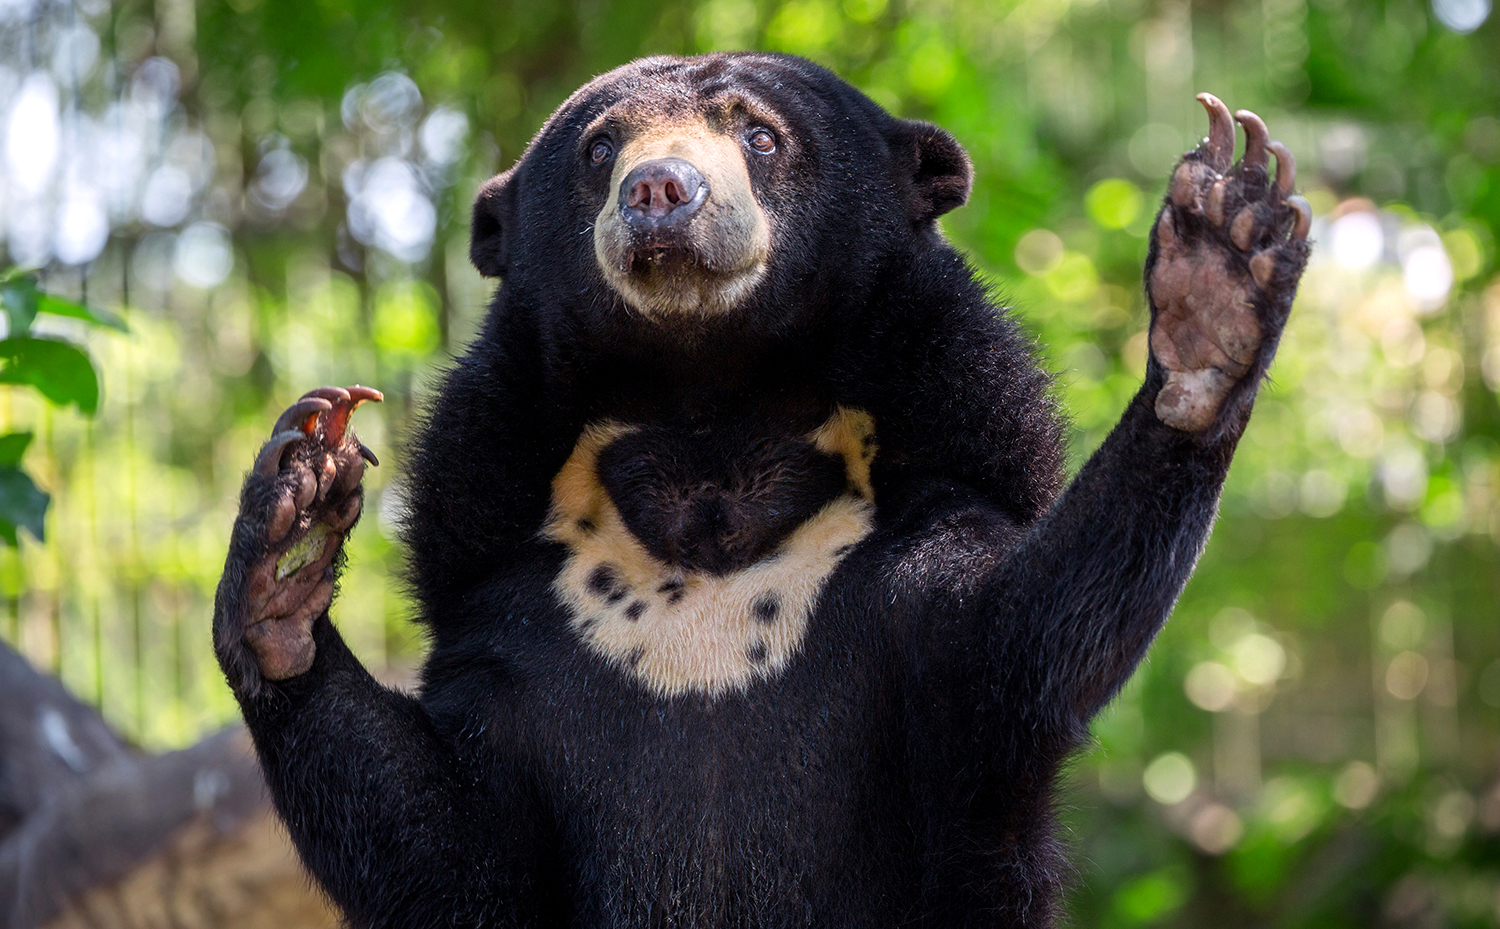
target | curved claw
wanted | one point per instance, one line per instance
(302, 415)
(335, 424)
(1256, 138)
(268, 462)
(1220, 143)
(1304, 216)
(331, 394)
(367, 455)
(1286, 167)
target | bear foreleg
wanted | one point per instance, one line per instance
(370, 791)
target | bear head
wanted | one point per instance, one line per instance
(726, 187)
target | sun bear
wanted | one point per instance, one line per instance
(753, 592)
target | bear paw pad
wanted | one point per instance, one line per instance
(1230, 245)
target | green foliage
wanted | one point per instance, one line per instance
(19, 296)
(22, 504)
(62, 372)
(59, 370)
(22, 301)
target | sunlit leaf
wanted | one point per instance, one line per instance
(62, 372)
(22, 505)
(12, 447)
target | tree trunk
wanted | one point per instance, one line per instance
(95, 834)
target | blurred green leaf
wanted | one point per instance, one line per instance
(22, 505)
(12, 447)
(19, 295)
(59, 306)
(1113, 203)
(62, 372)
(23, 300)
(1150, 898)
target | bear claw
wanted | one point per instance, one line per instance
(1304, 216)
(302, 415)
(1286, 167)
(335, 424)
(1257, 139)
(1219, 146)
(268, 462)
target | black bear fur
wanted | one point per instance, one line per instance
(900, 769)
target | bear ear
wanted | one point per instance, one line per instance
(941, 174)
(494, 218)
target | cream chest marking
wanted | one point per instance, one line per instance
(683, 631)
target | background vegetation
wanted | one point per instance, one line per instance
(273, 194)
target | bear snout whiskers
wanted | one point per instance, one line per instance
(661, 194)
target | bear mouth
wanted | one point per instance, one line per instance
(695, 249)
(667, 275)
(649, 259)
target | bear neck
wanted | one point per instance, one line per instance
(775, 380)
(599, 356)
(783, 352)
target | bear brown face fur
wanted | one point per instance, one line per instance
(753, 594)
(697, 182)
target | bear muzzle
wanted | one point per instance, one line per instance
(681, 232)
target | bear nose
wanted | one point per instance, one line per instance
(662, 193)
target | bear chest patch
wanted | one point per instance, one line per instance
(694, 561)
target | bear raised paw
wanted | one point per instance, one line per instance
(299, 503)
(755, 592)
(1226, 254)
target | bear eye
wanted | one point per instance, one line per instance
(600, 151)
(762, 141)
